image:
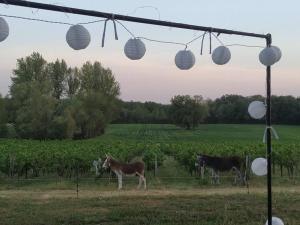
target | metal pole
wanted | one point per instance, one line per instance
(269, 137)
(112, 16)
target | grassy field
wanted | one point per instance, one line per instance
(173, 195)
(205, 132)
(167, 207)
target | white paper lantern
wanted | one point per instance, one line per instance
(277, 51)
(276, 221)
(257, 109)
(4, 29)
(134, 49)
(78, 37)
(259, 167)
(269, 55)
(185, 59)
(221, 55)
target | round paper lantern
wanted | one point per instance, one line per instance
(134, 49)
(257, 109)
(276, 221)
(4, 29)
(185, 59)
(78, 37)
(277, 51)
(259, 167)
(221, 55)
(268, 56)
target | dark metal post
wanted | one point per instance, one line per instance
(269, 137)
(57, 8)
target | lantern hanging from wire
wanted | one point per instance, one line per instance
(277, 51)
(221, 55)
(185, 59)
(276, 221)
(257, 109)
(270, 55)
(78, 37)
(4, 29)
(134, 49)
(259, 166)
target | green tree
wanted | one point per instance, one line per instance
(187, 111)
(230, 109)
(50, 100)
(98, 102)
(31, 93)
(72, 82)
(58, 73)
(3, 118)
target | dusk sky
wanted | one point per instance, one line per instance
(155, 77)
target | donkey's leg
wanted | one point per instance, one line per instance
(202, 172)
(218, 177)
(145, 185)
(140, 181)
(212, 176)
(238, 176)
(119, 181)
(142, 178)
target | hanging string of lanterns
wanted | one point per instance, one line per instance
(78, 38)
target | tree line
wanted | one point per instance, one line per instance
(188, 111)
(50, 100)
(55, 101)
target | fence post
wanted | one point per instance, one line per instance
(155, 165)
(77, 180)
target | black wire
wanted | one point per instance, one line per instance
(50, 21)
(39, 20)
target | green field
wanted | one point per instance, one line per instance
(125, 142)
(48, 194)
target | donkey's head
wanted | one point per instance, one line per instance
(201, 159)
(106, 163)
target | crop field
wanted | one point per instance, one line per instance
(53, 182)
(30, 158)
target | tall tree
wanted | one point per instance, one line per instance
(72, 82)
(50, 100)
(3, 118)
(58, 73)
(187, 111)
(31, 93)
(98, 99)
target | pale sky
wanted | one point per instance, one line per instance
(155, 77)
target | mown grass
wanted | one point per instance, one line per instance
(167, 210)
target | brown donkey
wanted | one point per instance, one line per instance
(127, 169)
